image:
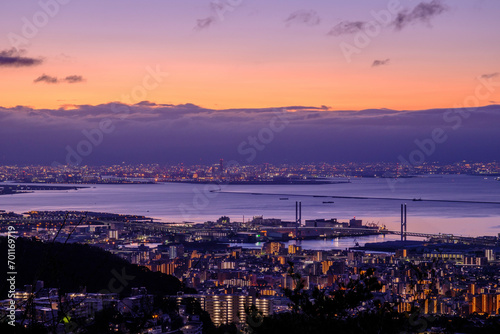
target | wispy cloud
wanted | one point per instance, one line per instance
(378, 62)
(46, 78)
(15, 58)
(204, 23)
(490, 75)
(347, 27)
(73, 79)
(54, 80)
(307, 17)
(423, 12)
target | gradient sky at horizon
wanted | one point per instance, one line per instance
(258, 54)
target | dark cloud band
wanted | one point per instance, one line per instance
(15, 58)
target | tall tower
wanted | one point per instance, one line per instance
(221, 166)
(403, 222)
(298, 219)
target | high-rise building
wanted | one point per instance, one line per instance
(325, 265)
(113, 234)
(320, 256)
(489, 254)
(273, 247)
(401, 253)
(225, 309)
(175, 251)
(294, 249)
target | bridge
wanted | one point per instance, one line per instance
(448, 237)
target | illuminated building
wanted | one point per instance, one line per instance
(225, 309)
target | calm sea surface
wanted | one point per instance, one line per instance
(175, 202)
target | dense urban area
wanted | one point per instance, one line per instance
(433, 285)
(235, 173)
(210, 283)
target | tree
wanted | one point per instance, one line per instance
(350, 308)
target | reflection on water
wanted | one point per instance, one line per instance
(175, 202)
(328, 244)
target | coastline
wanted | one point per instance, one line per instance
(23, 189)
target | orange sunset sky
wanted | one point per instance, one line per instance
(248, 54)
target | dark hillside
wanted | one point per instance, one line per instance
(70, 267)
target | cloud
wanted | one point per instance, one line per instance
(308, 17)
(423, 12)
(14, 58)
(188, 133)
(380, 62)
(146, 103)
(73, 78)
(204, 23)
(347, 27)
(54, 80)
(47, 79)
(490, 75)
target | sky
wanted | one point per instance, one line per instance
(217, 72)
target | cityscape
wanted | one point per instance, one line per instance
(245, 174)
(257, 167)
(435, 280)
